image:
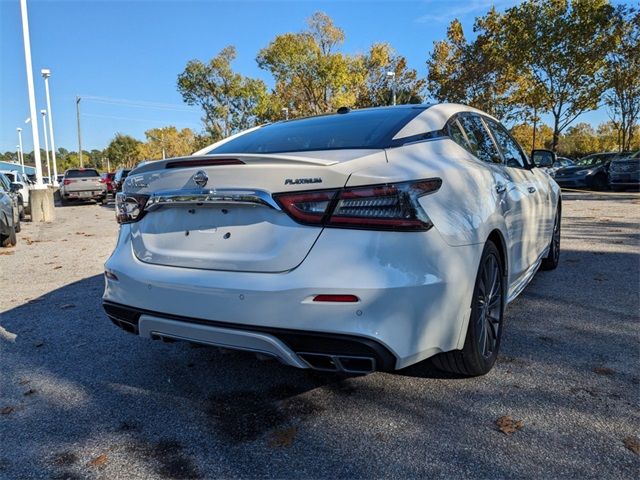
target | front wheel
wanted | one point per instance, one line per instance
(482, 342)
(10, 240)
(550, 262)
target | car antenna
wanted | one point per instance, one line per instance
(343, 110)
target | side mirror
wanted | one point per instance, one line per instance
(543, 158)
(16, 186)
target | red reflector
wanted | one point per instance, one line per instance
(204, 162)
(336, 298)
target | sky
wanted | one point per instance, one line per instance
(123, 57)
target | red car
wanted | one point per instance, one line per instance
(108, 179)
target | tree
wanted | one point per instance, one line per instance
(310, 76)
(622, 76)
(167, 142)
(376, 86)
(523, 133)
(558, 46)
(579, 140)
(476, 73)
(231, 102)
(123, 151)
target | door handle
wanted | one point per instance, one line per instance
(531, 189)
(500, 188)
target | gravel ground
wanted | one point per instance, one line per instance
(80, 398)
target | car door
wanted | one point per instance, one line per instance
(510, 190)
(535, 184)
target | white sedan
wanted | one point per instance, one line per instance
(364, 240)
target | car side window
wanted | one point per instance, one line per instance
(480, 141)
(4, 184)
(513, 156)
(457, 134)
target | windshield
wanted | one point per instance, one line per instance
(369, 128)
(596, 159)
(81, 173)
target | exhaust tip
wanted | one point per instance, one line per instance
(339, 363)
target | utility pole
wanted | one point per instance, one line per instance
(79, 134)
(46, 142)
(46, 73)
(30, 88)
(535, 127)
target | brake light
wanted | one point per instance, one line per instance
(204, 162)
(336, 298)
(67, 181)
(392, 206)
(130, 207)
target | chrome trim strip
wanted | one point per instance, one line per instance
(210, 197)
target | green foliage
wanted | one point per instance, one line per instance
(230, 101)
(167, 142)
(123, 151)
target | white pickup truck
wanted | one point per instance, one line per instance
(82, 184)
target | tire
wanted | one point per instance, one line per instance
(617, 188)
(484, 333)
(18, 227)
(10, 240)
(550, 262)
(600, 182)
(21, 212)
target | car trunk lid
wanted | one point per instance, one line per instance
(217, 212)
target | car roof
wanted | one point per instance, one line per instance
(432, 118)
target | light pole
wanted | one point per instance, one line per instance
(46, 141)
(79, 135)
(30, 88)
(20, 150)
(46, 73)
(392, 77)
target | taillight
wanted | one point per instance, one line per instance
(67, 181)
(392, 206)
(130, 207)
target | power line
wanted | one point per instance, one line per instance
(139, 103)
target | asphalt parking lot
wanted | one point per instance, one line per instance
(80, 398)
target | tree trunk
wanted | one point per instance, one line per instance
(556, 134)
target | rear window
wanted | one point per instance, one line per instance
(11, 177)
(81, 173)
(358, 129)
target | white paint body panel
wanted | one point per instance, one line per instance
(414, 288)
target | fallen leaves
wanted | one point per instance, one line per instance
(7, 252)
(29, 392)
(508, 425)
(284, 437)
(604, 371)
(67, 306)
(98, 461)
(56, 268)
(38, 343)
(6, 410)
(633, 444)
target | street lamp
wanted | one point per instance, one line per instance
(31, 90)
(46, 73)
(392, 77)
(20, 151)
(79, 135)
(46, 141)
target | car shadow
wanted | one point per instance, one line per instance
(171, 407)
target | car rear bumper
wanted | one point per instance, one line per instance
(414, 295)
(84, 195)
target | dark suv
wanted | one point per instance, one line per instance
(624, 172)
(118, 179)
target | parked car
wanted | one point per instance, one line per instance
(23, 194)
(107, 179)
(82, 184)
(560, 162)
(9, 214)
(60, 178)
(588, 172)
(366, 240)
(624, 172)
(119, 177)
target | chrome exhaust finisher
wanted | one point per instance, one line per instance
(338, 363)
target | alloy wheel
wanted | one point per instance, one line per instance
(489, 302)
